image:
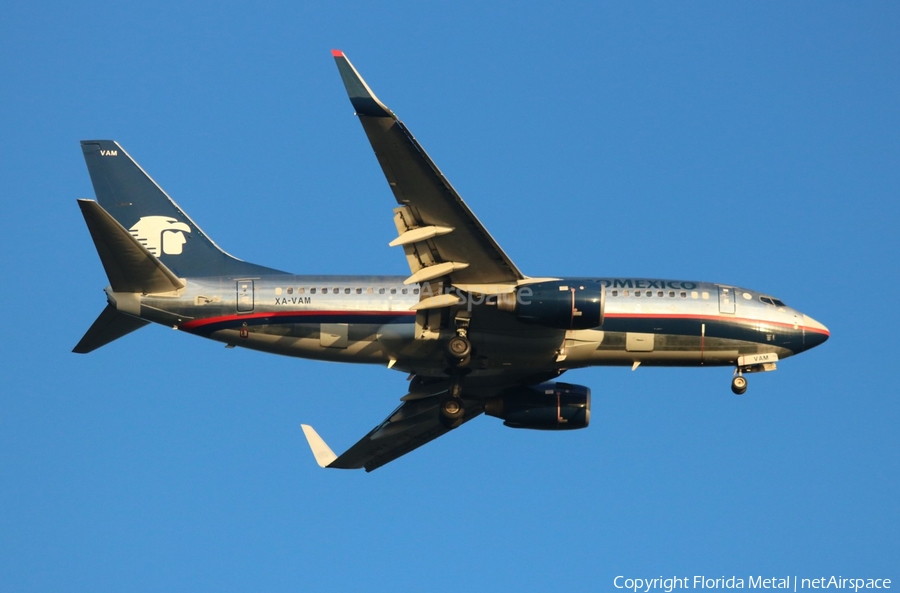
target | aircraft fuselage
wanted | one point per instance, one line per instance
(368, 319)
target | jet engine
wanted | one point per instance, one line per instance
(561, 304)
(548, 406)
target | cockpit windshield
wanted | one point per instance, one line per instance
(771, 301)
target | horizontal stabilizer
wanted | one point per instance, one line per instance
(110, 325)
(129, 266)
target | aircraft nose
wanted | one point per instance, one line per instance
(815, 332)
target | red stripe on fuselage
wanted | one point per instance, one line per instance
(193, 324)
(719, 318)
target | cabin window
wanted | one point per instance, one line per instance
(637, 293)
(660, 294)
(290, 290)
(695, 294)
(649, 293)
(336, 290)
(705, 295)
(625, 293)
(393, 291)
(325, 291)
(380, 291)
(346, 291)
(683, 294)
(405, 290)
(359, 291)
(747, 296)
(300, 290)
(415, 291)
(312, 291)
(615, 293)
(370, 290)
(278, 290)
(671, 294)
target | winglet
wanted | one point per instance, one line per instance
(361, 96)
(322, 452)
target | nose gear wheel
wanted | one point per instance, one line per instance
(739, 385)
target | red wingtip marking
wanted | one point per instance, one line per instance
(337, 53)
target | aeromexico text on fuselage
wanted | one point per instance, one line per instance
(646, 283)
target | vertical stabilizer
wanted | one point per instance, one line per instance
(128, 194)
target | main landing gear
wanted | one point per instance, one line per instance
(452, 409)
(459, 348)
(459, 354)
(452, 412)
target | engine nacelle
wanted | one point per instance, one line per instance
(562, 304)
(548, 406)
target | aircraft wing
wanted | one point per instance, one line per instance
(410, 426)
(438, 232)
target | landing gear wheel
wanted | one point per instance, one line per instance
(459, 351)
(459, 347)
(452, 412)
(739, 385)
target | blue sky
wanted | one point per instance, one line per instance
(755, 144)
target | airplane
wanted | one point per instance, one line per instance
(474, 333)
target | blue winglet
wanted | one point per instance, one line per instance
(361, 96)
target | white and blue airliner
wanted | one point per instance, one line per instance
(473, 333)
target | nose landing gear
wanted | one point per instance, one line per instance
(739, 384)
(751, 363)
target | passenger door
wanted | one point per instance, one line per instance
(245, 297)
(726, 299)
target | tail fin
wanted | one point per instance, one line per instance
(133, 199)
